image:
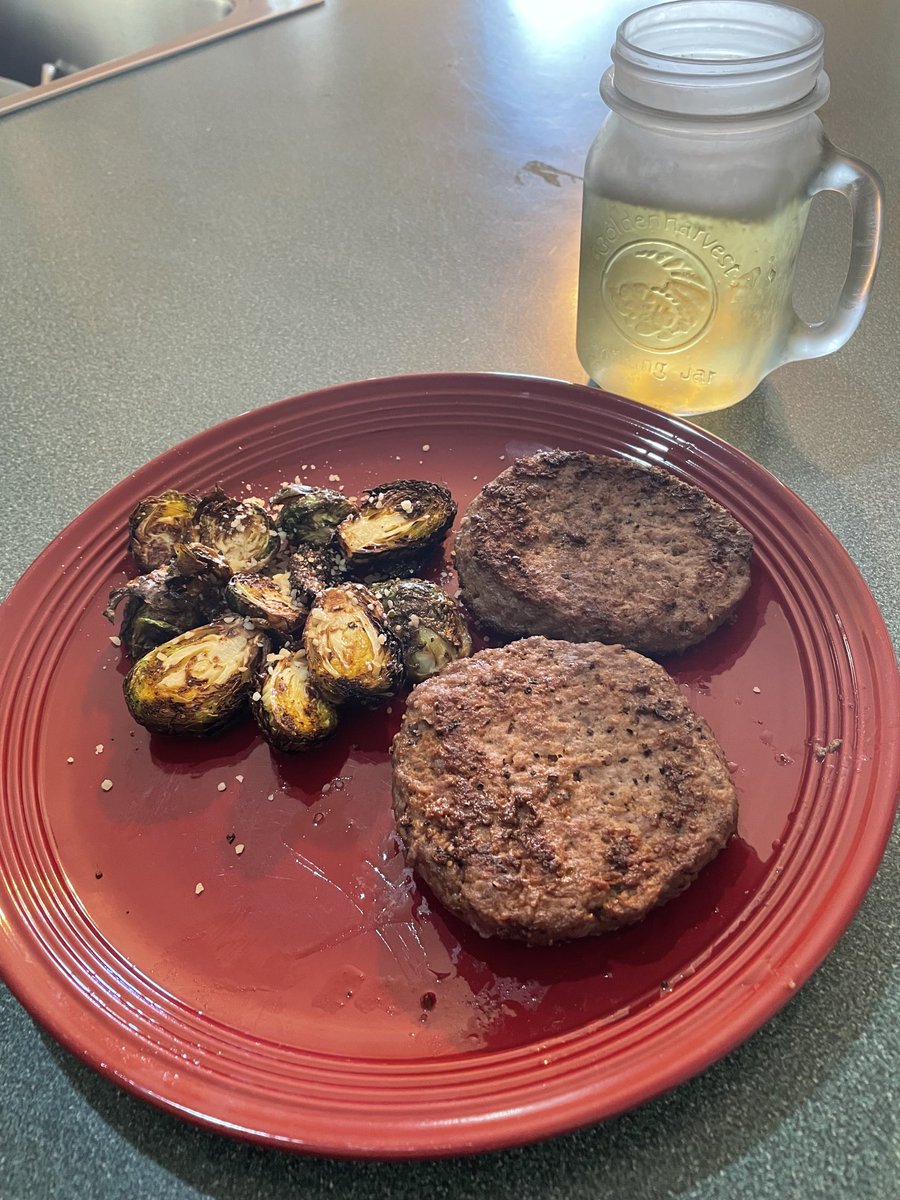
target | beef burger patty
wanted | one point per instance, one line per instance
(572, 545)
(549, 790)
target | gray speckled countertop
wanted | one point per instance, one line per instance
(368, 189)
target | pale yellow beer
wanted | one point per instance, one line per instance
(680, 310)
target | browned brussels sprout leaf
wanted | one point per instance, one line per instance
(266, 599)
(144, 627)
(194, 598)
(287, 706)
(313, 569)
(152, 589)
(241, 531)
(351, 652)
(310, 514)
(193, 558)
(157, 525)
(429, 623)
(198, 682)
(395, 525)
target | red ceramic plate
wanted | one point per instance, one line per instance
(285, 1002)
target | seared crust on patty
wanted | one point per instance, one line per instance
(577, 546)
(550, 790)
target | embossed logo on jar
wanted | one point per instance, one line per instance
(658, 294)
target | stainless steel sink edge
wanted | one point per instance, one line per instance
(244, 15)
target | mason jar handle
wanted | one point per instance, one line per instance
(863, 189)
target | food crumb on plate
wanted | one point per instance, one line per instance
(239, 778)
(756, 691)
(198, 889)
(116, 640)
(830, 748)
(220, 787)
(70, 759)
(426, 446)
(106, 785)
(98, 749)
(239, 848)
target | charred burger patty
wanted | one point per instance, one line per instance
(572, 545)
(549, 790)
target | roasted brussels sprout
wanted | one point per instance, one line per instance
(310, 514)
(351, 652)
(157, 525)
(144, 627)
(395, 525)
(287, 706)
(240, 530)
(267, 599)
(198, 682)
(154, 589)
(429, 624)
(313, 569)
(169, 594)
(193, 598)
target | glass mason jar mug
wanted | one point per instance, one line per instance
(696, 194)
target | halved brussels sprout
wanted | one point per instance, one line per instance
(198, 682)
(240, 530)
(396, 524)
(310, 514)
(287, 706)
(267, 599)
(313, 569)
(351, 653)
(144, 627)
(157, 525)
(429, 623)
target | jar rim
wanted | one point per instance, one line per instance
(669, 7)
(718, 57)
